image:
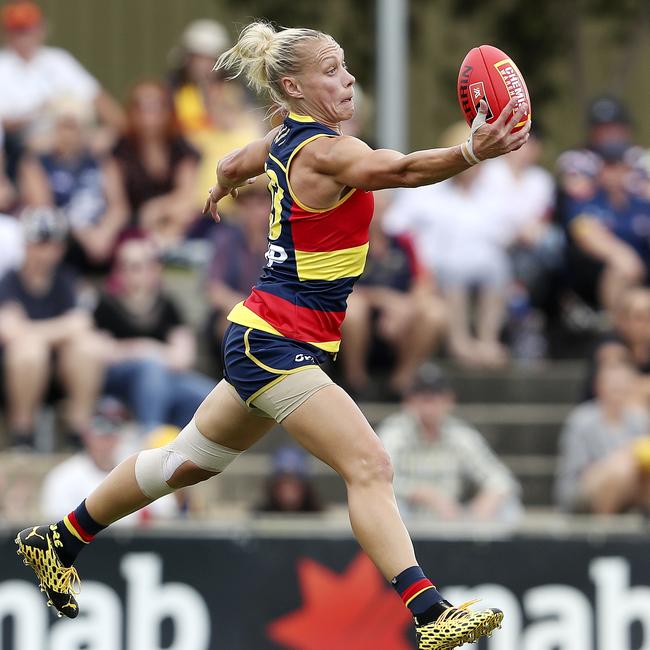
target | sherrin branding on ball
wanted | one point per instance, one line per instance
(490, 74)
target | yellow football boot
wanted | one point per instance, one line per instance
(59, 583)
(457, 626)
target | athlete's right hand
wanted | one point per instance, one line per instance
(216, 193)
(496, 139)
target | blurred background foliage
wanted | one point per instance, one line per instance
(568, 50)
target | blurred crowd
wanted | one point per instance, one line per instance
(506, 263)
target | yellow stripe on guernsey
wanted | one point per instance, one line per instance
(300, 118)
(71, 528)
(331, 265)
(242, 315)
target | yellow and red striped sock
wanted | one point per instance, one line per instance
(416, 591)
(77, 530)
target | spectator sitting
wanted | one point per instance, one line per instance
(604, 460)
(69, 482)
(396, 294)
(42, 331)
(289, 489)
(609, 130)
(462, 236)
(150, 351)
(610, 249)
(158, 167)
(437, 457)
(87, 189)
(628, 341)
(239, 247)
(32, 75)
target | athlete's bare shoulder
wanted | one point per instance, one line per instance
(328, 155)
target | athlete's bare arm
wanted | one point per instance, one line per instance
(237, 168)
(349, 162)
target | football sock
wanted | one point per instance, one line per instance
(419, 595)
(77, 530)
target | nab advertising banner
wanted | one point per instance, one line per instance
(186, 593)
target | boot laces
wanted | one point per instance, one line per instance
(454, 613)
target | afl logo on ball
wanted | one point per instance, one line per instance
(477, 93)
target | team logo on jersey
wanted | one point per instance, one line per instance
(275, 255)
(282, 135)
(477, 93)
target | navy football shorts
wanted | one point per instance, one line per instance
(254, 360)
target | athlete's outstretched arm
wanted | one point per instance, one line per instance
(352, 163)
(237, 168)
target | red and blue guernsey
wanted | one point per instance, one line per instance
(314, 256)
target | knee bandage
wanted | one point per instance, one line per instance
(154, 467)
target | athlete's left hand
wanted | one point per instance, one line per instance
(216, 193)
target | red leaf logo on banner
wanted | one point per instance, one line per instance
(349, 611)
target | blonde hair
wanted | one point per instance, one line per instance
(264, 55)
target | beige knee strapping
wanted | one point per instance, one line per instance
(154, 467)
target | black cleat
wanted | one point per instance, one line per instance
(59, 582)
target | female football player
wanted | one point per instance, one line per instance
(321, 185)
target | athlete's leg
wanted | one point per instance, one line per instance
(192, 457)
(331, 426)
(221, 419)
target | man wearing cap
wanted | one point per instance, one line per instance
(43, 331)
(32, 74)
(438, 458)
(609, 130)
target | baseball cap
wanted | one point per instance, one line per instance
(206, 37)
(17, 16)
(109, 418)
(607, 110)
(429, 378)
(42, 224)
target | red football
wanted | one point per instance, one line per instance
(490, 74)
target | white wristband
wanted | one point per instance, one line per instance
(468, 152)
